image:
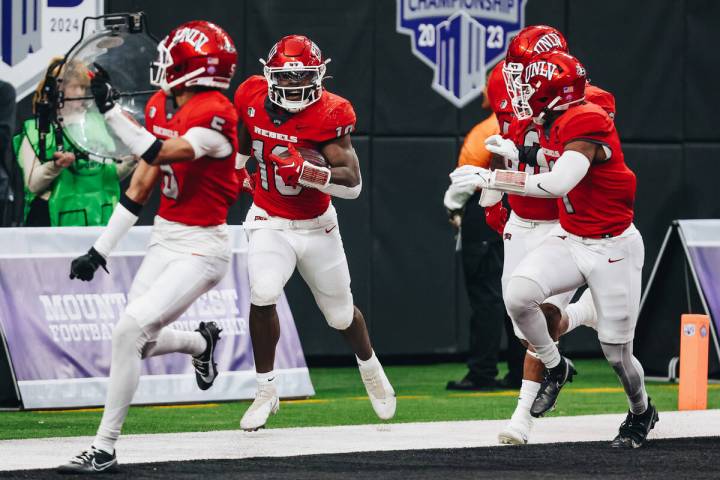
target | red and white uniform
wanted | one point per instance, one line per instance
(330, 117)
(596, 242)
(294, 227)
(532, 219)
(199, 192)
(601, 205)
(196, 195)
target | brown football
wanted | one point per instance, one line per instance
(309, 154)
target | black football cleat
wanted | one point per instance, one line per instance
(205, 367)
(555, 379)
(634, 430)
(90, 461)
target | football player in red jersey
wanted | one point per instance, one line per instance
(596, 242)
(191, 143)
(532, 219)
(292, 222)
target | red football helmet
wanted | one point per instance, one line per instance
(550, 81)
(195, 53)
(531, 41)
(534, 40)
(294, 71)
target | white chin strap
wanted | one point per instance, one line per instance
(167, 87)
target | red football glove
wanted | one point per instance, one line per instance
(247, 183)
(290, 167)
(496, 217)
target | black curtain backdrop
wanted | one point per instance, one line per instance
(657, 57)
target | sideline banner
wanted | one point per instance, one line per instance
(684, 279)
(58, 332)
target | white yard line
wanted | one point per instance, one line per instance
(284, 442)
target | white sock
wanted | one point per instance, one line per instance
(370, 363)
(528, 392)
(266, 379)
(170, 341)
(582, 312)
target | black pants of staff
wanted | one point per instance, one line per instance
(482, 264)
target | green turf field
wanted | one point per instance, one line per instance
(341, 400)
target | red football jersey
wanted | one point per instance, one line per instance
(529, 208)
(272, 129)
(197, 192)
(602, 203)
(601, 98)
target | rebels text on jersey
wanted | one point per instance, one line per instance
(272, 129)
(197, 192)
(522, 132)
(601, 204)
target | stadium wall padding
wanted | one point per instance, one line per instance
(656, 56)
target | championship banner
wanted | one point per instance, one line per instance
(33, 32)
(58, 332)
(684, 279)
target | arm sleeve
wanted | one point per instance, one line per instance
(341, 191)
(208, 142)
(38, 176)
(568, 171)
(119, 224)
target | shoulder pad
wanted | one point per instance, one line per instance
(601, 98)
(253, 85)
(583, 121)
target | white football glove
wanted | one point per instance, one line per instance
(455, 198)
(470, 178)
(502, 146)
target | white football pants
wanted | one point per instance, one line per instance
(166, 284)
(315, 247)
(521, 237)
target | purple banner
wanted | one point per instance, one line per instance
(59, 335)
(706, 260)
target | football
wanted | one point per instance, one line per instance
(311, 155)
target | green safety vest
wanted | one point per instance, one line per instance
(83, 194)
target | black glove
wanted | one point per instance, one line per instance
(102, 90)
(84, 266)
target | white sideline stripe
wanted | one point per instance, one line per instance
(286, 442)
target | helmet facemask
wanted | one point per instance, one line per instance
(159, 68)
(294, 86)
(519, 92)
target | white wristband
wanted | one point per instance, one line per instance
(135, 137)
(508, 181)
(313, 176)
(120, 222)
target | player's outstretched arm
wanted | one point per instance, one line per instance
(345, 179)
(124, 216)
(567, 172)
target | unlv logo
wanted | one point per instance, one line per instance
(196, 38)
(539, 69)
(460, 40)
(547, 42)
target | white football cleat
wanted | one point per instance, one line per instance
(381, 393)
(266, 403)
(515, 433)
